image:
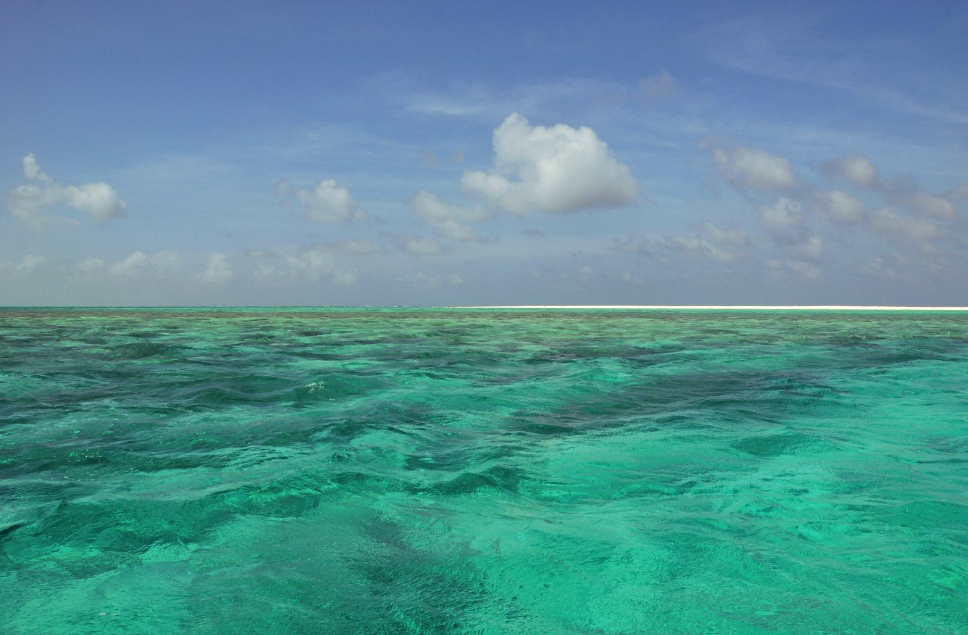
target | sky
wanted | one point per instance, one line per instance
(448, 153)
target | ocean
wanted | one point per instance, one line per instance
(491, 471)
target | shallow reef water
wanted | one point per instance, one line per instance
(388, 471)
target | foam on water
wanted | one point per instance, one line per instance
(482, 471)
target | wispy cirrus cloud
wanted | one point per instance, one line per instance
(803, 49)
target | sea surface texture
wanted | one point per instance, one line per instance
(385, 471)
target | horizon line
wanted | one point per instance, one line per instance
(717, 307)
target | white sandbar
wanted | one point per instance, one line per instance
(723, 307)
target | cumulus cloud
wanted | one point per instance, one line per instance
(713, 243)
(783, 220)
(855, 168)
(861, 172)
(556, 169)
(141, 265)
(634, 244)
(810, 248)
(90, 265)
(930, 205)
(30, 203)
(448, 221)
(706, 241)
(265, 273)
(328, 201)
(32, 169)
(895, 265)
(754, 169)
(735, 238)
(26, 265)
(315, 263)
(420, 245)
(841, 207)
(217, 271)
(138, 265)
(699, 246)
(905, 229)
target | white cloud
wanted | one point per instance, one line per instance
(90, 265)
(855, 168)
(895, 266)
(736, 237)
(556, 169)
(810, 248)
(904, 229)
(31, 202)
(420, 245)
(218, 270)
(861, 172)
(265, 273)
(707, 241)
(32, 169)
(929, 205)
(328, 202)
(634, 244)
(805, 269)
(783, 219)
(449, 221)
(841, 207)
(754, 169)
(28, 203)
(26, 265)
(701, 247)
(714, 243)
(138, 265)
(312, 263)
(97, 199)
(315, 263)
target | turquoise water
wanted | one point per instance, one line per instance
(459, 471)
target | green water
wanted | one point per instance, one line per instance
(485, 472)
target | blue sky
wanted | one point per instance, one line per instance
(479, 153)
